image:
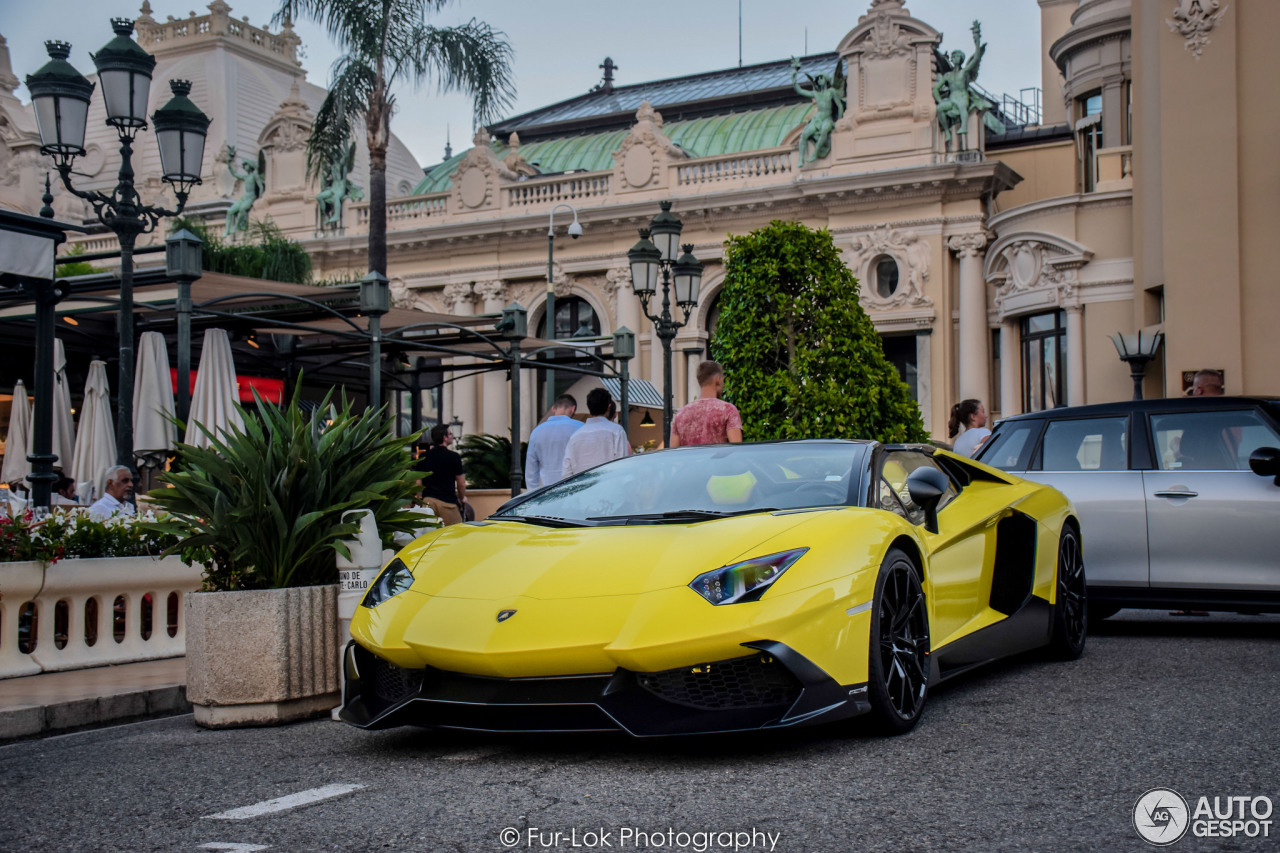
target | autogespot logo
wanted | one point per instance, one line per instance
(1161, 816)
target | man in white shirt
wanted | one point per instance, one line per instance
(547, 443)
(600, 439)
(119, 489)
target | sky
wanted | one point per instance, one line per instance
(559, 44)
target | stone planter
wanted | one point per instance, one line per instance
(486, 501)
(262, 657)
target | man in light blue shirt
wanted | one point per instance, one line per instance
(545, 459)
(599, 441)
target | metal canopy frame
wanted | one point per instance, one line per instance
(324, 337)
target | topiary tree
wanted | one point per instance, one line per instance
(801, 357)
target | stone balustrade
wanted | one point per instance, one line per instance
(772, 163)
(80, 613)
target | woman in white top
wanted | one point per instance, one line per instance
(971, 415)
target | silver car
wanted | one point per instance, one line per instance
(1179, 498)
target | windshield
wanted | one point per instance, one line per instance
(697, 482)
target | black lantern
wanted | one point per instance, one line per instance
(624, 344)
(688, 278)
(183, 255)
(684, 273)
(125, 71)
(180, 132)
(645, 260)
(60, 95)
(666, 228)
(375, 294)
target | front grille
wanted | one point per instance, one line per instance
(758, 681)
(391, 683)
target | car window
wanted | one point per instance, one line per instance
(1086, 444)
(1010, 445)
(891, 483)
(1209, 441)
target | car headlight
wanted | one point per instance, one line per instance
(395, 579)
(745, 581)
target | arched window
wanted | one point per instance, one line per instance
(575, 318)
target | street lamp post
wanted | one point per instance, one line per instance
(375, 300)
(575, 231)
(60, 95)
(685, 272)
(1137, 351)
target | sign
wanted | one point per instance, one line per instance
(269, 389)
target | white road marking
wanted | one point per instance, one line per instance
(234, 847)
(280, 804)
(472, 754)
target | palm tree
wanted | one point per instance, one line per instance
(387, 42)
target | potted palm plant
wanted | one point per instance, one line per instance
(262, 508)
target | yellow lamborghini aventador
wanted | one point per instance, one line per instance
(720, 588)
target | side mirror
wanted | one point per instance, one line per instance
(926, 486)
(1265, 462)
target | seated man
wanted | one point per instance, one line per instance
(119, 491)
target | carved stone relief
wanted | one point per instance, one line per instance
(1025, 267)
(640, 154)
(475, 182)
(1193, 20)
(457, 298)
(401, 295)
(491, 291)
(912, 255)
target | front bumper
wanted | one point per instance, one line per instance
(773, 687)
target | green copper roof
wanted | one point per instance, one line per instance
(703, 137)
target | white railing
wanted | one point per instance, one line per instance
(95, 244)
(735, 167)
(559, 188)
(81, 613)
(407, 210)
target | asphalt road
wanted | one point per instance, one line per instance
(1025, 755)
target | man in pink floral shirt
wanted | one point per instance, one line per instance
(708, 419)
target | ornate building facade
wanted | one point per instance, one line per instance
(996, 265)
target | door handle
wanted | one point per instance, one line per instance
(1177, 494)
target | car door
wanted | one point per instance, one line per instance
(1087, 459)
(960, 552)
(1210, 520)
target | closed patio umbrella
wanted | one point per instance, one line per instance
(153, 432)
(18, 445)
(213, 401)
(64, 428)
(96, 442)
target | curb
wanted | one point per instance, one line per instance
(28, 721)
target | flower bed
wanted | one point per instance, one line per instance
(70, 533)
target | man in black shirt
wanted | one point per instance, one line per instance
(444, 488)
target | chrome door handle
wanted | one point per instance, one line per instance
(1177, 494)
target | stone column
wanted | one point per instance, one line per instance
(693, 356)
(458, 300)
(975, 371)
(496, 414)
(1010, 392)
(924, 375)
(1075, 354)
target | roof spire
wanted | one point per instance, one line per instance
(448, 149)
(609, 68)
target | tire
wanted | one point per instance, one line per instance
(1071, 607)
(898, 670)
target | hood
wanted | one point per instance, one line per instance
(504, 559)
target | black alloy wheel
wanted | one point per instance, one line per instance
(898, 681)
(1071, 610)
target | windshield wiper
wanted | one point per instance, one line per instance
(679, 514)
(541, 520)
